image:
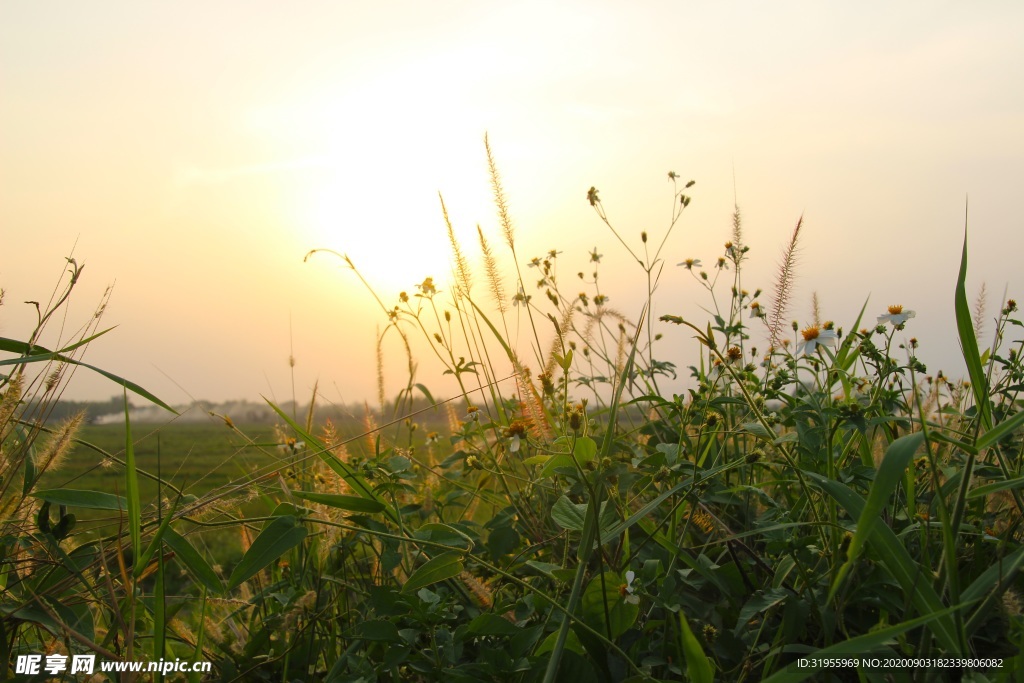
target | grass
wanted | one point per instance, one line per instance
(563, 517)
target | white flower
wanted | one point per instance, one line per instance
(626, 589)
(813, 336)
(896, 316)
(690, 263)
(756, 311)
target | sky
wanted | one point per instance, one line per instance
(191, 153)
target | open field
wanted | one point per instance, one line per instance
(824, 498)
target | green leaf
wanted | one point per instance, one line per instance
(379, 630)
(357, 483)
(444, 534)
(426, 392)
(969, 343)
(572, 516)
(1006, 485)
(90, 500)
(760, 602)
(36, 354)
(488, 624)
(888, 477)
(154, 543)
(895, 558)
(447, 565)
(757, 429)
(604, 590)
(195, 563)
(698, 666)
(569, 515)
(277, 538)
(555, 461)
(341, 502)
(1004, 428)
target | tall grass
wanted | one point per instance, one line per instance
(562, 517)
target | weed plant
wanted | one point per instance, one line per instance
(563, 517)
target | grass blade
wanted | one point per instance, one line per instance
(277, 538)
(865, 644)
(131, 476)
(888, 477)
(195, 563)
(969, 344)
(912, 577)
(341, 502)
(90, 500)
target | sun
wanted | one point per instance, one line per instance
(384, 166)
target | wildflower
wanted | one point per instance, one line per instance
(592, 196)
(600, 299)
(403, 297)
(433, 437)
(896, 316)
(472, 414)
(515, 433)
(576, 416)
(756, 311)
(690, 263)
(595, 257)
(427, 287)
(1011, 306)
(721, 263)
(813, 336)
(626, 590)
(734, 354)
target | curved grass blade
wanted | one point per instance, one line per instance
(131, 489)
(89, 500)
(887, 478)
(37, 354)
(698, 666)
(357, 483)
(195, 563)
(969, 344)
(277, 538)
(990, 586)
(912, 577)
(341, 502)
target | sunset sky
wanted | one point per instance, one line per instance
(192, 153)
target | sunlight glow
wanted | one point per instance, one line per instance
(383, 159)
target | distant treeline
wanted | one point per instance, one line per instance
(242, 411)
(62, 410)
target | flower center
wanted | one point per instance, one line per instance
(895, 310)
(811, 332)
